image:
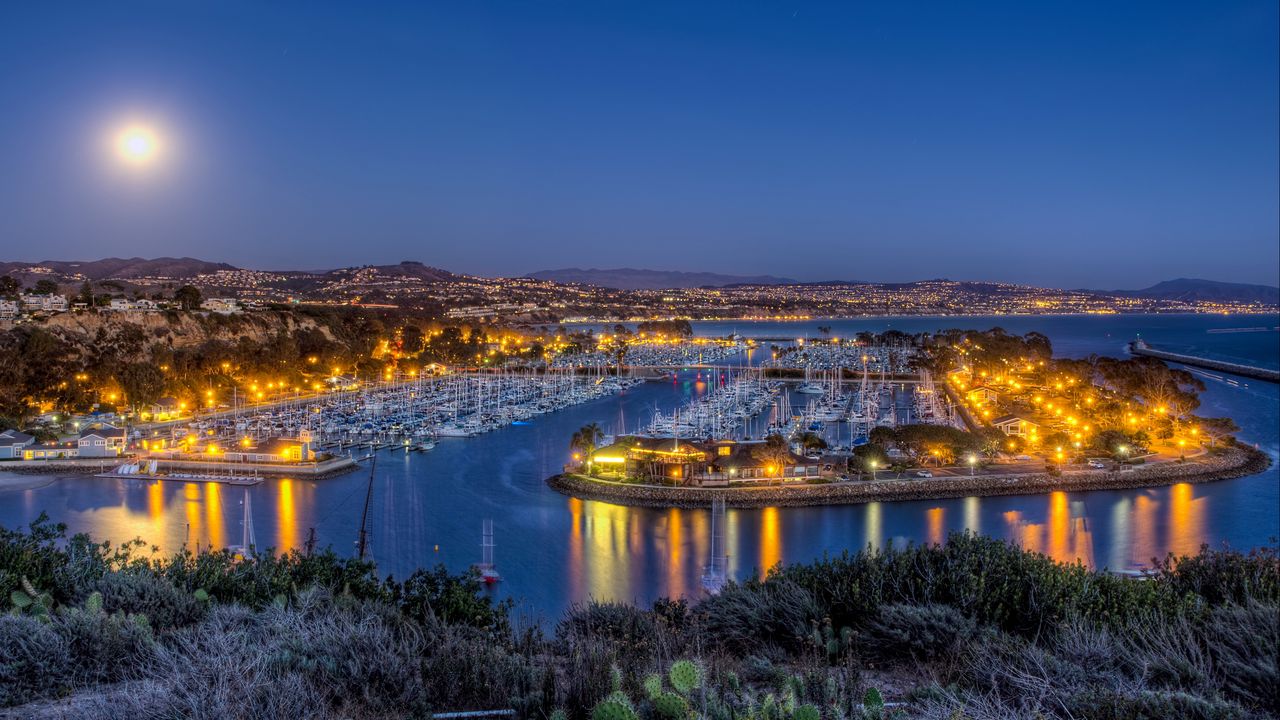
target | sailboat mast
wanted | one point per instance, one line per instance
(362, 541)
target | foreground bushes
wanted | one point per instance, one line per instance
(974, 629)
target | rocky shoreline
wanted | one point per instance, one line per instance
(1232, 462)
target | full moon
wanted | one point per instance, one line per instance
(137, 145)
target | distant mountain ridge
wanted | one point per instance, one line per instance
(636, 279)
(625, 279)
(1195, 289)
(124, 268)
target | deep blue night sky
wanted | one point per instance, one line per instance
(1071, 144)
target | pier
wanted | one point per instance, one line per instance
(1139, 347)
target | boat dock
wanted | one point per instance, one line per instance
(227, 473)
(1139, 347)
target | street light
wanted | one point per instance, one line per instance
(973, 460)
(872, 463)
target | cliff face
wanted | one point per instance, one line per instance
(178, 330)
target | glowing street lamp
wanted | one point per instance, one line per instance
(973, 461)
(872, 463)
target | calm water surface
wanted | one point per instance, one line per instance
(553, 550)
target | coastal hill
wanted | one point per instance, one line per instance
(1193, 290)
(633, 279)
(116, 268)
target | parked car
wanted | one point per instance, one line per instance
(924, 473)
(1097, 465)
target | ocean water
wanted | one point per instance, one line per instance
(554, 551)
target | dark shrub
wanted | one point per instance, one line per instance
(626, 626)
(165, 606)
(104, 647)
(1150, 705)
(451, 598)
(1166, 651)
(466, 669)
(1244, 642)
(922, 632)
(756, 615)
(761, 671)
(34, 660)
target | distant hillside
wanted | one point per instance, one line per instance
(1191, 289)
(123, 268)
(185, 267)
(633, 279)
(408, 268)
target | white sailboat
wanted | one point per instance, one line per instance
(716, 572)
(488, 571)
(247, 538)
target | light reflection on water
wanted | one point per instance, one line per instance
(553, 550)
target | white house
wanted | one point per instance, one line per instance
(104, 441)
(139, 305)
(44, 303)
(222, 306)
(1015, 426)
(12, 443)
(9, 310)
(984, 393)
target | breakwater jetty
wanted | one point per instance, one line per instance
(1138, 347)
(1228, 462)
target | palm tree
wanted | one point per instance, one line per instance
(585, 440)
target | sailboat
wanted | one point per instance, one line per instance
(247, 539)
(715, 574)
(488, 572)
(810, 387)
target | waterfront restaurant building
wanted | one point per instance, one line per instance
(702, 464)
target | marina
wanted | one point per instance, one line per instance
(409, 414)
(427, 507)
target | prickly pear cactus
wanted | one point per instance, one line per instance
(873, 700)
(733, 681)
(30, 601)
(792, 693)
(670, 706)
(685, 676)
(806, 712)
(614, 707)
(615, 678)
(770, 709)
(93, 603)
(653, 686)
